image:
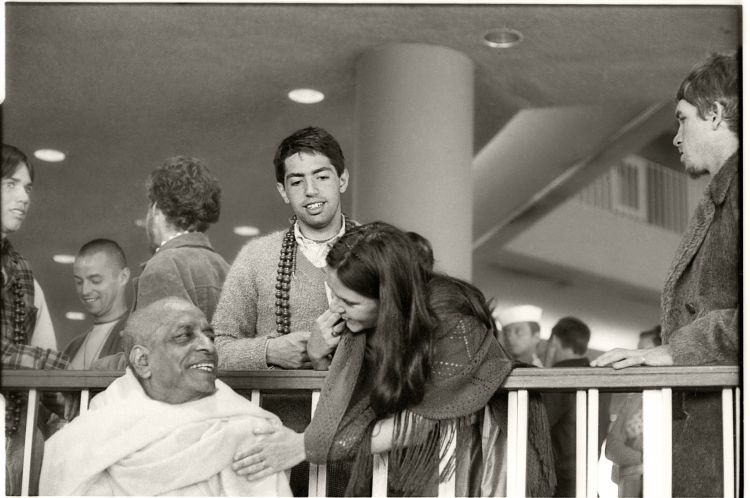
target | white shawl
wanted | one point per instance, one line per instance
(130, 444)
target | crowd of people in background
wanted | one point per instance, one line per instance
(409, 351)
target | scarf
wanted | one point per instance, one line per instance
(130, 444)
(468, 366)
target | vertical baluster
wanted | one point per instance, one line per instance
(737, 430)
(666, 404)
(316, 485)
(85, 395)
(380, 474)
(28, 443)
(512, 443)
(521, 440)
(592, 449)
(657, 443)
(255, 397)
(581, 443)
(448, 438)
(727, 418)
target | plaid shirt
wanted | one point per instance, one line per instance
(17, 270)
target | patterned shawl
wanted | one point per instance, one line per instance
(468, 367)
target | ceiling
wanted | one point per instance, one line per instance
(120, 87)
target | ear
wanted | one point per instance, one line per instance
(140, 362)
(282, 192)
(717, 114)
(124, 276)
(343, 180)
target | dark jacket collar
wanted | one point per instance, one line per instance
(719, 185)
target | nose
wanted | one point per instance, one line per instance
(205, 343)
(677, 140)
(310, 188)
(85, 288)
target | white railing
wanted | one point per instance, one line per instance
(641, 190)
(655, 382)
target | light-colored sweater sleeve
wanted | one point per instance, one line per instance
(238, 343)
(44, 332)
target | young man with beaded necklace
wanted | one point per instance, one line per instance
(28, 338)
(275, 290)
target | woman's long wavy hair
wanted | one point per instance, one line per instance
(380, 262)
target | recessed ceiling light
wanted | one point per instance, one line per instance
(75, 315)
(502, 38)
(140, 222)
(306, 96)
(246, 231)
(64, 259)
(49, 155)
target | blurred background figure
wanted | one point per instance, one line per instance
(625, 438)
(567, 347)
(519, 328)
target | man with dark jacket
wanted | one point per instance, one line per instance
(567, 348)
(184, 199)
(700, 301)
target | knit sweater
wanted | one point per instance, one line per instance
(245, 317)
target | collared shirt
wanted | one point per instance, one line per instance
(316, 251)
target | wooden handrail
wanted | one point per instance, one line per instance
(544, 379)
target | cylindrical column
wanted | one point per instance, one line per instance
(414, 149)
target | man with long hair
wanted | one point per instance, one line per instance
(28, 339)
(700, 301)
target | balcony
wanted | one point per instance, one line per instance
(656, 383)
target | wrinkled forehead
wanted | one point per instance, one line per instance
(172, 318)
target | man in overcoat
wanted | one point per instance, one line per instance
(700, 301)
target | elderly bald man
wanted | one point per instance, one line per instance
(168, 426)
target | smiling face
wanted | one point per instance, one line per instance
(100, 284)
(693, 139)
(16, 198)
(313, 190)
(359, 312)
(182, 360)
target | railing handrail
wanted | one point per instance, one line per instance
(546, 379)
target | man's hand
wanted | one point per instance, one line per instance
(288, 351)
(660, 356)
(279, 448)
(324, 338)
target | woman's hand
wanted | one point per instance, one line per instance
(324, 338)
(277, 449)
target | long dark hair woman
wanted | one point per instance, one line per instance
(415, 360)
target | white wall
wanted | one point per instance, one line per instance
(592, 240)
